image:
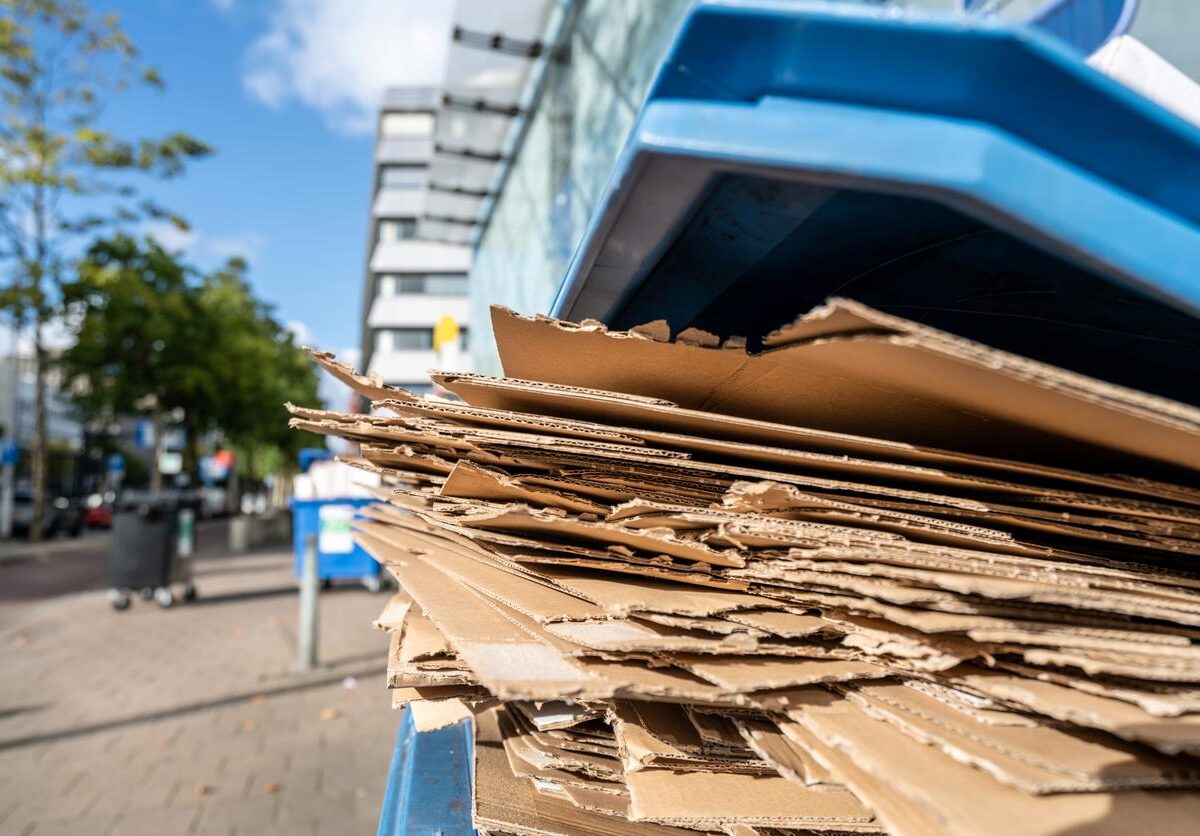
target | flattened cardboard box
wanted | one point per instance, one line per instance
(801, 637)
(873, 375)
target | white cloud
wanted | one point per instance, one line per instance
(337, 56)
(300, 332)
(58, 333)
(171, 237)
(222, 6)
(195, 244)
(246, 245)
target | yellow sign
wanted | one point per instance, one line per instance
(445, 332)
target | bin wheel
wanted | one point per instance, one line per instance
(147, 593)
(326, 584)
(190, 593)
(372, 583)
(119, 599)
(164, 596)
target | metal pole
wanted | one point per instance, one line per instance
(6, 497)
(306, 656)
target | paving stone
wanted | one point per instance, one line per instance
(158, 822)
(100, 825)
(175, 721)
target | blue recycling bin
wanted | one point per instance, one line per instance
(338, 556)
(429, 783)
(972, 175)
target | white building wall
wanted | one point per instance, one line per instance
(413, 257)
(403, 203)
(410, 310)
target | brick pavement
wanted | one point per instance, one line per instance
(187, 721)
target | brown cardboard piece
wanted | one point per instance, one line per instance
(913, 601)
(910, 383)
(705, 799)
(971, 801)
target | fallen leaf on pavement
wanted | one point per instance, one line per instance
(271, 788)
(330, 713)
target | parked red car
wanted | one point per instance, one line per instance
(99, 516)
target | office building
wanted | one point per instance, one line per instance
(410, 284)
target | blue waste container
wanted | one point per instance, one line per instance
(971, 175)
(429, 782)
(338, 556)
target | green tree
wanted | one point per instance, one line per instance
(152, 336)
(257, 368)
(142, 338)
(62, 175)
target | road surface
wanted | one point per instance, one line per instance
(61, 567)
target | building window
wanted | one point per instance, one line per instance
(406, 125)
(446, 285)
(402, 176)
(462, 339)
(397, 229)
(436, 284)
(404, 339)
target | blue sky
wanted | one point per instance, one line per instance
(284, 90)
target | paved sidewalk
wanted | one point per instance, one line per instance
(187, 721)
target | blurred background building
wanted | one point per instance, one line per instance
(17, 391)
(411, 283)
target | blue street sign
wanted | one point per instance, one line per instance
(10, 453)
(116, 463)
(143, 434)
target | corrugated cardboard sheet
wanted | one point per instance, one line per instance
(871, 578)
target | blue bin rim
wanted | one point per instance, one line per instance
(356, 501)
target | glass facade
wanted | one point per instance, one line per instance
(588, 105)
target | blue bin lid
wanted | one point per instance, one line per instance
(971, 175)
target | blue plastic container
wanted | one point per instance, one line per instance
(429, 783)
(338, 556)
(971, 175)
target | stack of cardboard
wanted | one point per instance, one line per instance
(867, 577)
